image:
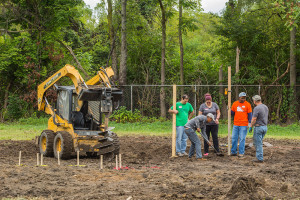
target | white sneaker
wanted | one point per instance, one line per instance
(179, 154)
(185, 154)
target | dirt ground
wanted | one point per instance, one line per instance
(152, 174)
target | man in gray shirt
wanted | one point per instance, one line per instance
(260, 122)
(197, 124)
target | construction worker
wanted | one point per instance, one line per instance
(260, 122)
(212, 127)
(197, 124)
(242, 112)
(183, 108)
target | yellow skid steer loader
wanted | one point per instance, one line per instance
(79, 122)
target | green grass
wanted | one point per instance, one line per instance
(27, 129)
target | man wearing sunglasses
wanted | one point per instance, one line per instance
(242, 112)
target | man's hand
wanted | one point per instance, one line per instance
(198, 130)
(249, 125)
(250, 130)
(217, 121)
(175, 111)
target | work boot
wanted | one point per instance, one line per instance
(233, 154)
(201, 159)
(257, 161)
(241, 155)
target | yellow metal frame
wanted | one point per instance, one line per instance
(102, 77)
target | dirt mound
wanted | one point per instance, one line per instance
(245, 187)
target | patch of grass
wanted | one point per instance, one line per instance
(27, 129)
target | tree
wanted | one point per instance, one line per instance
(113, 53)
(163, 110)
(181, 45)
(123, 62)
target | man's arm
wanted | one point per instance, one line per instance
(250, 117)
(253, 121)
(173, 111)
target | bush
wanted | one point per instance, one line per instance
(16, 107)
(124, 116)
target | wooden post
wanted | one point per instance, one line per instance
(117, 166)
(77, 158)
(42, 159)
(20, 154)
(120, 161)
(229, 108)
(37, 159)
(58, 158)
(221, 94)
(174, 124)
(101, 162)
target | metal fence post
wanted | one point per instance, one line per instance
(131, 98)
(195, 100)
(259, 90)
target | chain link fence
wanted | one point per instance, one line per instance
(146, 98)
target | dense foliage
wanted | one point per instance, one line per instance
(35, 37)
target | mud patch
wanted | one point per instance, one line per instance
(152, 174)
(245, 187)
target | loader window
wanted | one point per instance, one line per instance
(74, 102)
(63, 101)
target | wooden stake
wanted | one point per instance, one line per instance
(174, 124)
(117, 162)
(101, 161)
(42, 159)
(229, 108)
(77, 158)
(58, 158)
(20, 154)
(120, 161)
(37, 159)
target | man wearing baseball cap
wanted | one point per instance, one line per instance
(197, 124)
(259, 121)
(242, 112)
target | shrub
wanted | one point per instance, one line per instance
(16, 107)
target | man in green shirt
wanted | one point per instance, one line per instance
(183, 108)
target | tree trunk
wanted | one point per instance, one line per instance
(181, 46)
(5, 102)
(123, 66)
(221, 95)
(163, 54)
(237, 69)
(293, 74)
(112, 39)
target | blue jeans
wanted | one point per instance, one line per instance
(181, 139)
(196, 144)
(258, 136)
(238, 132)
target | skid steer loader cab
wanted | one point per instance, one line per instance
(77, 122)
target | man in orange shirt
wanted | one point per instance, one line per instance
(242, 112)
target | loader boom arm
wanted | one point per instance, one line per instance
(102, 76)
(67, 70)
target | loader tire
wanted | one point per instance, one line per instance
(46, 143)
(63, 142)
(116, 143)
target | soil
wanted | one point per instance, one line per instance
(152, 174)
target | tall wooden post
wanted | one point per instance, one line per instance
(229, 108)
(174, 124)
